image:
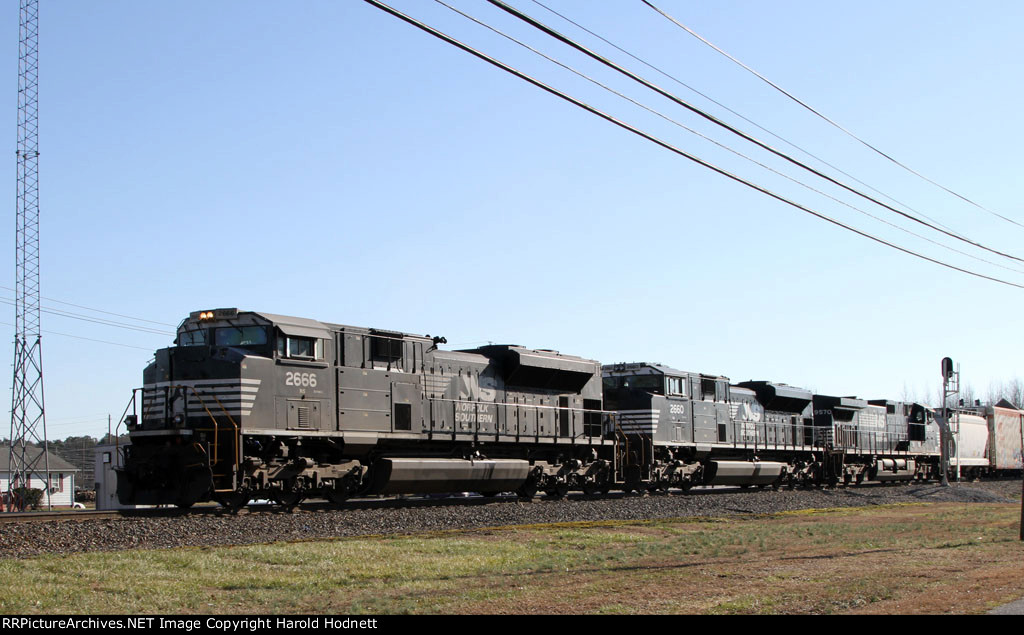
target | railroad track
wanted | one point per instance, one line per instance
(69, 515)
(213, 509)
(256, 509)
(206, 526)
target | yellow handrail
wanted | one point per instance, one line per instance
(216, 425)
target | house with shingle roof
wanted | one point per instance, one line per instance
(59, 484)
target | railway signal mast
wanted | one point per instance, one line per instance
(28, 415)
(950, 392)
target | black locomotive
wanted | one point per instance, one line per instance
(251, 405)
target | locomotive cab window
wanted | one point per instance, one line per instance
(300, 347)
(676, 386)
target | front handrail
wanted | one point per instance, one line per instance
(216, 426)
(117, 436)
(188, 391)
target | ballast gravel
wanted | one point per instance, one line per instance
(214, 528)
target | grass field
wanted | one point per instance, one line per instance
(928, 558)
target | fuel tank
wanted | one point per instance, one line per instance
(430, 476)
(742, 472)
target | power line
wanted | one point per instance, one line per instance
(79, 337)
(77, 316)
(579, 47)
(450, 40)
(98, 310)
(719, 144)
(830, 121)
(741, 116)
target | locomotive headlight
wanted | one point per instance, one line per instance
(131, 421)
(215, 314)
(179, 420)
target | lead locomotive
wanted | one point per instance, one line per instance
(251, 405)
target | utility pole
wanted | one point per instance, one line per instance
(28, 414)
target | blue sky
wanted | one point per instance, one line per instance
(323, 159)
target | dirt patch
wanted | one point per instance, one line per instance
(911, 559)
(967, 493)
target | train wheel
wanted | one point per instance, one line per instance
(337, 496)
(591, 489)
(288, 500)
(527, 491)
(233, 501)
(560, 490)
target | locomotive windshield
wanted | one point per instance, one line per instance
(241, 336)
(650, 383)
(192, 338)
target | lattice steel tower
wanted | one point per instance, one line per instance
(28, 415)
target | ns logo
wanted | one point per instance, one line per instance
(746, 413)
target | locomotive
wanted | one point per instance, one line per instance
(250, 405)
(255, 405)
(691, 429)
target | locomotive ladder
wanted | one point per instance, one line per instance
(621, 451)
(236, 437)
